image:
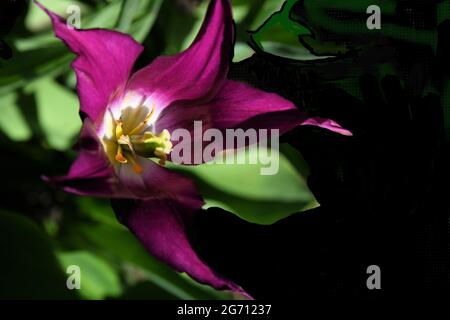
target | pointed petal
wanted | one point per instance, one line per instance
(198, 72)
(103, 64)
(160, 226)
(91, 174)
(238, 105)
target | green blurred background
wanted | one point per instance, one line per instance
(43, 230)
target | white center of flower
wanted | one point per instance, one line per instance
(130, 133)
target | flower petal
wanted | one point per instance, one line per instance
(157, 182)
(103, 66)
(238, 105)
(160, 226)
(91, 174)
(198, 72)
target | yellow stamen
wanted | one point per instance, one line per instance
(119, 130)
(159, 152)
(117, 123)
(119, 156)
(130, 157)
(142, 125)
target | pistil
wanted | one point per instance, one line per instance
(132, 138)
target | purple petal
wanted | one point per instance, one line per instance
(103, 64)
(238, 105)
(91, 174)
(157, 182)
(198, 72)
(160, 226)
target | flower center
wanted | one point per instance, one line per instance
(132, 136)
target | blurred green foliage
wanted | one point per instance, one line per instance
(44, 230)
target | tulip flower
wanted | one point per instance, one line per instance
(128, 118)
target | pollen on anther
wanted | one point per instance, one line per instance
(137, 168)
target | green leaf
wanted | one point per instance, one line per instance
(130, 10)
(142, 26)
(12, 122)
(279, 35)
(138, 17)
(242, 51)
(29, 268)
(30, 65)
(265, 11)
(57, 113)
(243, 190)
(106, 18)
(327, 16)
(98, 279)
